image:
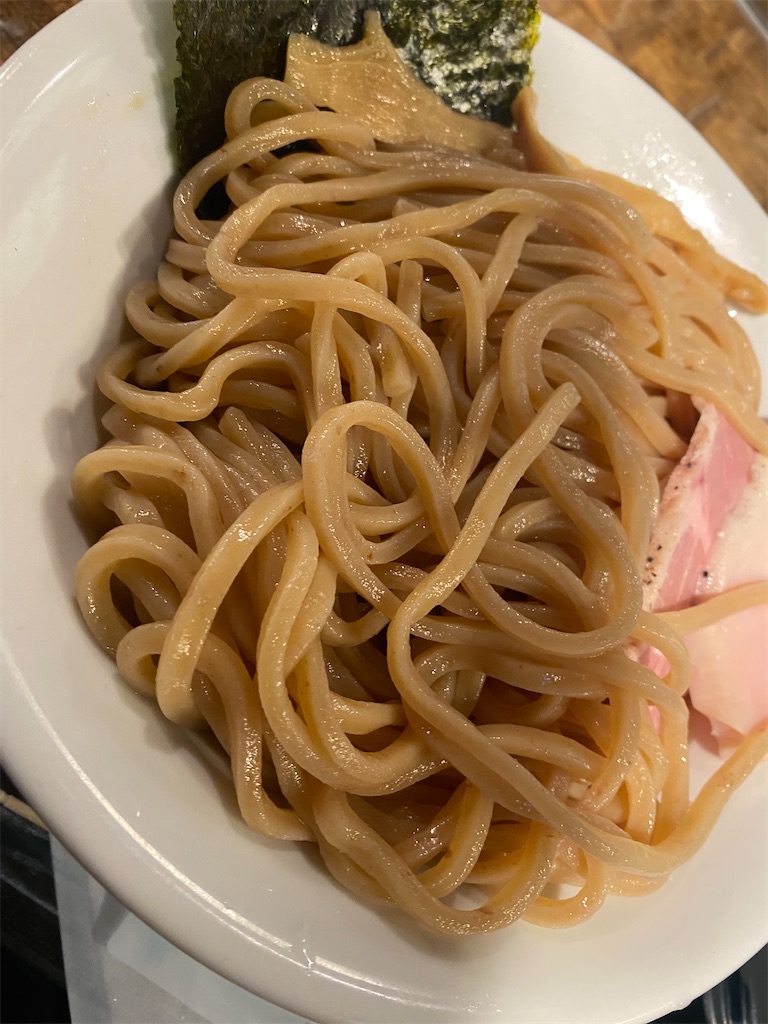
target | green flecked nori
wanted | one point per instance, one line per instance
(476, 54)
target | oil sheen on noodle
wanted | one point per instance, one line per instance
(385, 456)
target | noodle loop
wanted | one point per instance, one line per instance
(386, 455)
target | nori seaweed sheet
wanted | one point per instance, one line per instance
(476, 54)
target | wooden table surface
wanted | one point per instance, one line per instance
(709, 58)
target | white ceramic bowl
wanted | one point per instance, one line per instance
(87, 173)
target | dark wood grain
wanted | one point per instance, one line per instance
(20, 19)
(708, 58)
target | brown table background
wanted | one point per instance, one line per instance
(709, 58)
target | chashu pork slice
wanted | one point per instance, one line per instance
(712, 536)
(729, 659)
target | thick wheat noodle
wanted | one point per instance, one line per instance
(386, 456)
(713, 609)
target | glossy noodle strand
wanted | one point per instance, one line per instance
(385, 458)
